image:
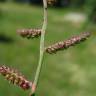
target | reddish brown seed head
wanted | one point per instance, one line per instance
(13, 76)
(51, 2)
(67, 43)
(29, 33)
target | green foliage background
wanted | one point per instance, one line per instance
(71, 72)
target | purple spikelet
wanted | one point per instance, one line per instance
(13, 76)
(29, 33)
(67, 43)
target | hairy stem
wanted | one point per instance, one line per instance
(44, 26)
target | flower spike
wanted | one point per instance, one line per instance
(13, 76)
(67, 43)
(29, 33)
(51, 2)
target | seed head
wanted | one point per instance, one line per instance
(51, 2)
(13, 76)
(67, 43)
(29, 33)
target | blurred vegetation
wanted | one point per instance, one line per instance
(90, 5)
(71, 72)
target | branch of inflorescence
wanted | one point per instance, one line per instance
(39, 67)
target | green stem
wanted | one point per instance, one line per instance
(34, 85)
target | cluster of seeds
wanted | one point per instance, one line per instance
(13, 76)
(51, 2)
(29, 33)
(67, 43)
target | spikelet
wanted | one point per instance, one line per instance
(29, 33)
(67, 43)
(13, 76)
(51, 2)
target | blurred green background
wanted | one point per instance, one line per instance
(70, 72)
